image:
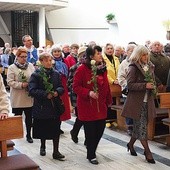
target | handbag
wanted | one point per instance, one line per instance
(125, 91)
(60, 108)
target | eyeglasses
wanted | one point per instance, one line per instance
(23, 56)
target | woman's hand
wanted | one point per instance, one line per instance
(55, 94)
(49, 96)
(149, 85)
(24, 84)
(93, 95)
(3, 116)
(115, 82)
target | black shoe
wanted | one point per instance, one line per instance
(132, 151)
(73, 137)
(94, 161)
(42, 152)
(61, 132)
(29, 140)
(129, 132)
(152, 161)
(58, 156)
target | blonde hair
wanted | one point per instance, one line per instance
(138, 52)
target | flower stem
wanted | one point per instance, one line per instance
(97, 105)
(52, 103)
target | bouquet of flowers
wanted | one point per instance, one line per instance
(94, 79)
(149, 78)
(21, 76)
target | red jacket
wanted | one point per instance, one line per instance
(70, 61)
(87, 106)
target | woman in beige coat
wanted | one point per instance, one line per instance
(17, 78)
(4, 102)
(139, 104)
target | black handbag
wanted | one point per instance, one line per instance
(60, 108)
(125, 91)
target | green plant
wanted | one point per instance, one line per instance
(48, 86)
(110, 17)
(166, 24)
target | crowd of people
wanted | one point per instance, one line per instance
(46, 84)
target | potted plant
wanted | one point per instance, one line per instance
(110, 17)
(166, 24)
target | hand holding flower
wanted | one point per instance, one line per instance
(149, 85)
(49, 96)
(93, 95)
(24, 85)
(55, 94)
(149, 78)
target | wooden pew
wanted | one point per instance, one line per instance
(160, 112)
(12, 128)
(10, 145)
(116, 92)
(165, 103)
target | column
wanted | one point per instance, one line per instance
(42, 36)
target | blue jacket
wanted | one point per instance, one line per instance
(44, 108)
(34, 58)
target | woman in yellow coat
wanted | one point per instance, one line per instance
(112, 64)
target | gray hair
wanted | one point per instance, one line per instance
(138, 52)
(44, 55)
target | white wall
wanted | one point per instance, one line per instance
(79, 21)
(137, 21)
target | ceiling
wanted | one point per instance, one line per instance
(6, 6)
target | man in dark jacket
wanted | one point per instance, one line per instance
(162, 65)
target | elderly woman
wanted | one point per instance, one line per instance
(61, 67)
(17, 78)
(45, 86)
(141, 98)
(91, 85)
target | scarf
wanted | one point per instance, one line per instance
(60, 66)
(21, 66)
(101, 68)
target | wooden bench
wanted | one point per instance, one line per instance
(12, 128)
(160, 112)
(165, 103)
(166, 121)
(10, 145)
(116, 93)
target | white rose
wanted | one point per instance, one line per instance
(93, 62)
(19, 70)
(145, 68)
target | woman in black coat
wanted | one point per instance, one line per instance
(45, 86)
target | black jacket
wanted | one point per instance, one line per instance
(44, 108)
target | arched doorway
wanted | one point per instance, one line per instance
(1, 42)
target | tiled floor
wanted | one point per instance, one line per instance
(111, 153)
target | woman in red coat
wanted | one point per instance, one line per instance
(93, 96)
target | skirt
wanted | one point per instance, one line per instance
(46, 128)
(140, 126)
